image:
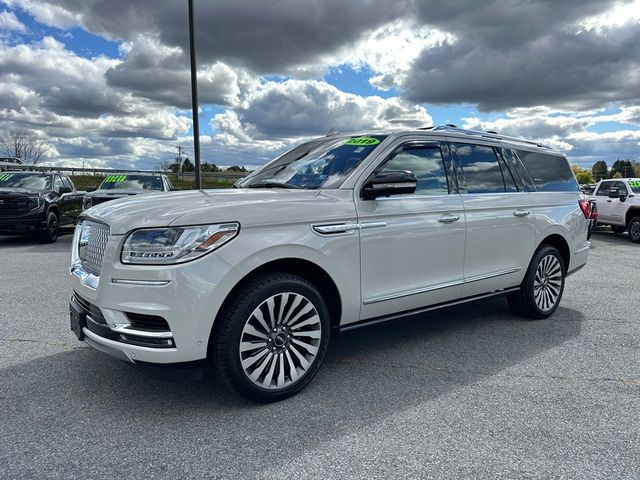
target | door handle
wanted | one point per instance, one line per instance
(448, 218)
(521, 213)
(608, 201)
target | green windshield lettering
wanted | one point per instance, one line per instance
(5, 177)
(362, 141)
(115, 178)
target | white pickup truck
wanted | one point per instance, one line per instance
(618, 202)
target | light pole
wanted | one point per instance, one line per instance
(194, 97)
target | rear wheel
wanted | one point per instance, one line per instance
(618, 228)
(272, 338)
(50, 234)
(541, 290)
(634, 230)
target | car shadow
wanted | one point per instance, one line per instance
(84, 397)
(607, 236)
(20, 241)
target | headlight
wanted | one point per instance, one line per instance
(162, 246)
(87, 202)
(34, 203)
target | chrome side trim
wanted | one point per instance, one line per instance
(348, 228)
(485, 276)
(145, 283)
(412, 292)
(373, 321)
(583, 249)
(439, 286)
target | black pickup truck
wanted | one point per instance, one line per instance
(38, 203)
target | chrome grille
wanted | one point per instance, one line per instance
(92, 254)
(13, 205)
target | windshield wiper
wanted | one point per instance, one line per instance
(273, 185)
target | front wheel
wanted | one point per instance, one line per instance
(50, 234)
(272, 337)
(634, 230)
(542, 287)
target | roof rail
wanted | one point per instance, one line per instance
(487, 134)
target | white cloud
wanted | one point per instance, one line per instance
(9, 21)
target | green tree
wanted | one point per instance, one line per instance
(582, 174)
(600, 170)
(236, 168)
(623, 167)
(188, 166)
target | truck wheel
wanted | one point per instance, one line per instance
(272, 337)
(50, 234)
(618, 228)
(542, 287)
(634, 230)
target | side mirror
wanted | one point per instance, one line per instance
(614, 192)
(64, 189)
(383, 184)
(174, 189)
(91, 189)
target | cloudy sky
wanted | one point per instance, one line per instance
(107, 81)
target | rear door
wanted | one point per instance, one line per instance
(500, 229)
(412, 246)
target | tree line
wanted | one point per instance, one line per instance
(621, 168)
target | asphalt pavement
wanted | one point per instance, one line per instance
(467, 392)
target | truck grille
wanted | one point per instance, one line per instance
(13, 205)
(93, 245)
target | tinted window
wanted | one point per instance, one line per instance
(508, 175)
(603, 191)
(622, 188)
(67, 182)
(550, 173)
(480, 166)
(426, 164)
(58, 183)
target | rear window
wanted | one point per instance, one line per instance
(131, 182)
(482, 172)
(550, 173)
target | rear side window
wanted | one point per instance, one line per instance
(426, 163)
(482, 173)
(550, 173)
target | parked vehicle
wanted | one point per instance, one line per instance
(37, 202)
(618, 203)
(338, 233)
(11, 163)
(122, 185)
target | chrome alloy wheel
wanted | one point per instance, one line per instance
(280, 340)
(547, 284)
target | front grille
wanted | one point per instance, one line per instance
(92, 254)
(13, 205)
(147, 322)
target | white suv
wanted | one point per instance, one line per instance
(337, 233)
(618, 204)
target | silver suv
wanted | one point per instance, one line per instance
(340, 232)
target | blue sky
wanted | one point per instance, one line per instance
(106, 82)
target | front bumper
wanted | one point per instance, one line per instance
(22, 224)
(186, 296)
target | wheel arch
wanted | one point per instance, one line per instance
(631, 213)
(558, 242)
(306, 269)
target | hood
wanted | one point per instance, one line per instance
(250, 207)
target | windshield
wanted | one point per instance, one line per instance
(27, 181)
(323, 163)
(635, 185)
(131, 182)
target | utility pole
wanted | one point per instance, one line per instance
(179, 147)
(194, 97)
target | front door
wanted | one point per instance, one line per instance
(604, 203)
(412, 246)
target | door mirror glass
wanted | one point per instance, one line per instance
(64, 189)
(394, 182)
(614, 192)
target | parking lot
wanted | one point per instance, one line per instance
(468, 392)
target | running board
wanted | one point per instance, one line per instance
(409, 313)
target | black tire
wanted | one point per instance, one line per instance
(634, 230)
(523, 302)
(50, 234)
(230, 336)
(618, 228)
